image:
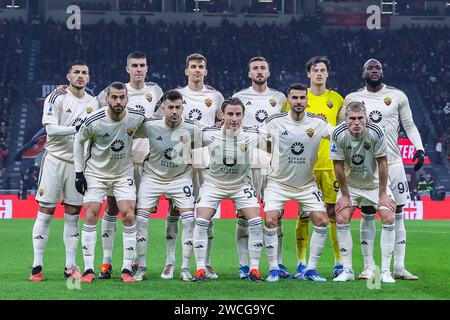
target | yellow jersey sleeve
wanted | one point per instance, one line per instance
(327, 105)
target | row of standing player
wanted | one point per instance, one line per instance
(195, 70)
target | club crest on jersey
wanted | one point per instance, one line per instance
(273, 102)
(149, 97)
(387, 101)
(321, 115)
(310, 132)
(330, 104)
(208, 102)
(130, 131)
(184, 139)
(243, 147)
(367, 145)
(89, 109)
(41, 191)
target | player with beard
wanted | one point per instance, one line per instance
(261, 102)
(62, 119)
(387, 107)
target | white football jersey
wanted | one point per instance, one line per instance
(295, 147)
(387, 108)
(170, 148)
(146, 99)
(65, 110)
(110, 144)
(230, 155)
(201, 105)
(259, 106)
(359, 154)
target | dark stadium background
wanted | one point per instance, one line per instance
(36, 43)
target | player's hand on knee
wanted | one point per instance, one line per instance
(420, 156)
(343, 203)
(80, 182)
(387, 202)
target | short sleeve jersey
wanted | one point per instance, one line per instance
(201, 105)
(65, 110)
(259, 106)
(359, 154)
(170, 148)
(146, 99)
(231, 155)
(295, 146)
(110, 143)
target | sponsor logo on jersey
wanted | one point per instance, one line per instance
(130, 131)
(249, 103)
(387, 101)
(375, 116)
(195, 114)
(330, 104)
(285, 133)
(170, 154)
(89, 109)
(297, 148)
(41, 191)
(310, 132)
(272, 102)
(261, 115)
(106, 135)
(208, 102)
(184, 102)
(348, 148)
(357, 159)
(243, 147)
(367, 145)
(149, 97)
(68, 111)
(159, 138)
(117, 145)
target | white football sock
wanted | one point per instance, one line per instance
(271, 244)
(345, 244)
(255, 241)
(171, 238)
(242, 240)
(41, 230)
(200, 240)
(367, 234)
(71, 235)
(141, 237)
(387, 242)
(187, 238)
(109, 224)
(400, 243)
(280, 242)
(88, 241)
(316, 245)
(210, 240)
(129, 247)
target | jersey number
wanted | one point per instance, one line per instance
(187, 191)
(251, 192)
(402, 187)
(318, 195)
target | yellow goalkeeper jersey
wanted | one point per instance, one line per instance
(326, 105)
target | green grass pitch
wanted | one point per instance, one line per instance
(427, 256)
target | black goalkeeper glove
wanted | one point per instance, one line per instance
(80, 182)
(78, 126)
(420, 156)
